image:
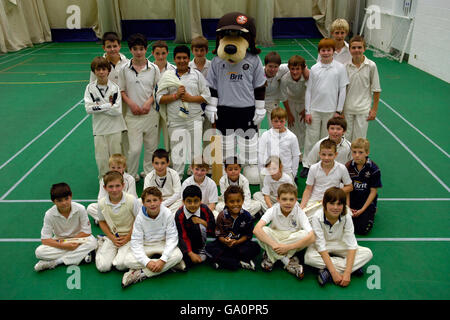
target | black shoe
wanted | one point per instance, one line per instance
(359, 272)
(304, 173)
(324, 277)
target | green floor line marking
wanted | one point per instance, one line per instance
(414, 155)
(44, 157)
(412, 126)
(26, 54)
(39, 135)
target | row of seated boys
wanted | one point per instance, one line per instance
(145, 238)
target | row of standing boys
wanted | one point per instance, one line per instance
(322, 223)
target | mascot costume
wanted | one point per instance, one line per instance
(237, 80)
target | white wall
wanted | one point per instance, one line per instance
(430, 43)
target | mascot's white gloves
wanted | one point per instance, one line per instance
(260, 112)
(211, 110)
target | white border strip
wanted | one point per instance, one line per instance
(40, 134)
(412, 126)
(43, 158)
(414, 155)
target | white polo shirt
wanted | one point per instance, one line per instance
(242, 182)
(205, 69)
(343, 149)
(208, 187)
(114, 73)
(342, 231)
(281, 144)
(139, 87)
(147, 230)
(270, 186)
(321, 182)
(168, 66)
(273, 92)
(195, 84)
(56, 225)
(363, 82)
(323, 87)
(295, 221)
(169, 185)
(293, 90)
(130, 186)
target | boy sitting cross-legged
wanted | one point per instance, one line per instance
(66, 234)
(288, 233)
(194, 223)
(153, 241)
(116, 213)
(233, 247)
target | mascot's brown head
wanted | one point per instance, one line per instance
(235, 35)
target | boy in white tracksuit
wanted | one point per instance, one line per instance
(103, 100)
(154, 233)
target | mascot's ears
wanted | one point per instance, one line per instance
(237, 24)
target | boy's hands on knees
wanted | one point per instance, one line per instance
(346, 278)
(195, 258)
(281, 249)
(155, 266)
(120, 241)
(337, 277)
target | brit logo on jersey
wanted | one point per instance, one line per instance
(234, 76)
(241, 19)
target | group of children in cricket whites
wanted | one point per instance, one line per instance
(175, 225)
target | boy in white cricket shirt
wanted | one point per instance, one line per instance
(116, 213)
(336, 129)
(154, 240)
(102, 99)
(363, 91)
(325, 94)
(137, 84)
(183, 91)
(288, 233)
(165, 179)
(323, 175)
(293, 88)
(207, 185)
(117, 162)
(335, 252)
(160, 51)
(338, 31)
(281, 142)
(274, 177)
(66, 233)
(233, 177)
(199, 47)
(111, 45)
(274, 70)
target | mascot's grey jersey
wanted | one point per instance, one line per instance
(236, 80)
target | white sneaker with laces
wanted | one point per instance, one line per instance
(44, 265)
(248, 265)
(133, 276)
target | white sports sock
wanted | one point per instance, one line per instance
(285, 260)
(59, 261)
